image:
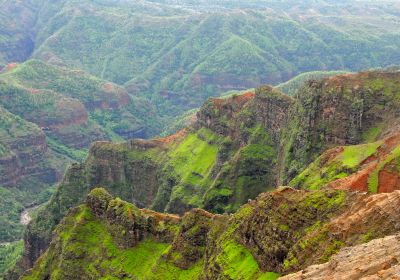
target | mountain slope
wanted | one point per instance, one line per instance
(238, 147)
(49, 117)
(292, 86)
(108, 237)
(69, 108)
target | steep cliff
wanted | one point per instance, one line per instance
(341, 110)
(23, 148)
(225, 158)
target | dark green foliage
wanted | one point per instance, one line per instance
(10, 209)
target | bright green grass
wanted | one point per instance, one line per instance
(372, 134)
(315, 177)
(269, 276)
(352, 156)
(136, 261)
(166, 271)
(239, 263)
(193, 158)
(84, 235)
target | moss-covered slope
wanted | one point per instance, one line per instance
(215, 164)
(279, 232)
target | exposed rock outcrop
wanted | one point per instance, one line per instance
(378, 259)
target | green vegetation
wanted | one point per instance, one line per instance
(353, 156)
(372, 133)
(77, 155)
(176, 57)
(83, 234)
(373, 179)
(325, 169)
(193, 158)
(179, 122)
(9, 254)
(238, 263)
(10, 209)
(106, 258)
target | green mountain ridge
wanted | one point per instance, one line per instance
(239, 147)
(49, 117)
(282, 231)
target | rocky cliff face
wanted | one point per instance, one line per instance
(213, 164)
(340, 110)
(377, 259)
(23, 150)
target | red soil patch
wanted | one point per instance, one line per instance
(34, 91)
(392, 141)
(11, 66)
(389, 178)
(169, 139)
(357, 181)
(160, 216)
(239, 100)
(388, 181)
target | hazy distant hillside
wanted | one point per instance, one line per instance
(176, 54)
